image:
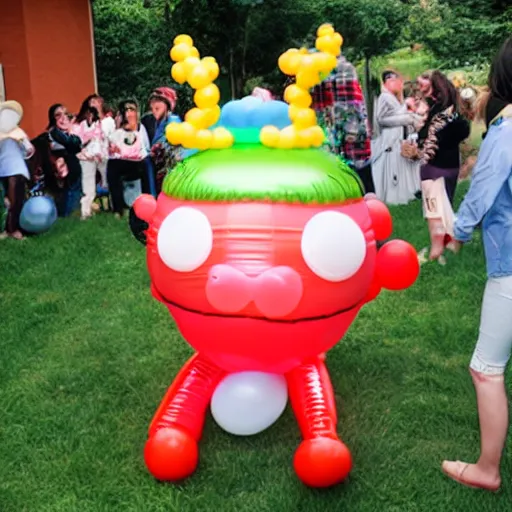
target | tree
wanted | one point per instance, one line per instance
(457, 32)
(370, 28)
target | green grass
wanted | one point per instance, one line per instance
(87, 354)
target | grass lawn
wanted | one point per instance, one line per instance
(87, 354)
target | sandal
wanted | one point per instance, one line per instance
(455, 471)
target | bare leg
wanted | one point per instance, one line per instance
(493, 416)
(437, 234)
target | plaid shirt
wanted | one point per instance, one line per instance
(341, 110)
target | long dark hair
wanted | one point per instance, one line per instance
(86, 109)
(500, 76)
(123, 108)
(52, 122)
(444, 92)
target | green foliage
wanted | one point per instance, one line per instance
(370, 27)
(133, 37)
(260, 174)
(460, 33)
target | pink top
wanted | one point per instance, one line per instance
(94, 140)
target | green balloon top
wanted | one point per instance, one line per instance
(257, 173)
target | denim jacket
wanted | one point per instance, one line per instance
(489, 199)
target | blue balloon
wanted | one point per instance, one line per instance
(38, 214)
(273, 113)
(252, 112)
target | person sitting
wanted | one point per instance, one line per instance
(162, 103)
(128, 149)
(55, 166)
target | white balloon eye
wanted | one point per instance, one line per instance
(333, 246)
(185, 239)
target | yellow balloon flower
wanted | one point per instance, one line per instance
(222, 138)
(305, 118)
(325, 30)
(212, 67)
(207, 97)
(269, 136)
(199, 77)
(307, 79)
(325, 62)
(287, 138)
(188, 135)
(197, 118)
(293, 111)
(212, 115)
(289, 62)
(183, 38)
(180, 52)
(179, 72)
(317, 136)
(338, 39)
(173, 133)
(204, 139)
(329, 45)
(294, 95)
(190, 63)
(303, 139)
(194, 52)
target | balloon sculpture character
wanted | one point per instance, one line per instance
(264, 250)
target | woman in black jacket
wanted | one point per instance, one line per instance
(63, 177)
(439, 144)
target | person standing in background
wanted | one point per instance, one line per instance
(439, 150)
(341, 110)
(397, 177)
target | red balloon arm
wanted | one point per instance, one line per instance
(312, 399)
(185, 403)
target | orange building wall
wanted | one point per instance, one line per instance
(47, 51)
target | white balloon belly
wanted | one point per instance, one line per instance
(247, 403)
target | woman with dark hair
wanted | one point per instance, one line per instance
(439, 151)
(128, 149)
(94, 155)
(64, 175)
(489, 203)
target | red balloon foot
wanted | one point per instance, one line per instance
(171, 454)
(322, 462)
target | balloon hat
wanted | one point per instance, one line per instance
(274, 124)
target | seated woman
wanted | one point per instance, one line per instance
(56, 167)
(128, 149)
(162, 102)
(15, 148)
